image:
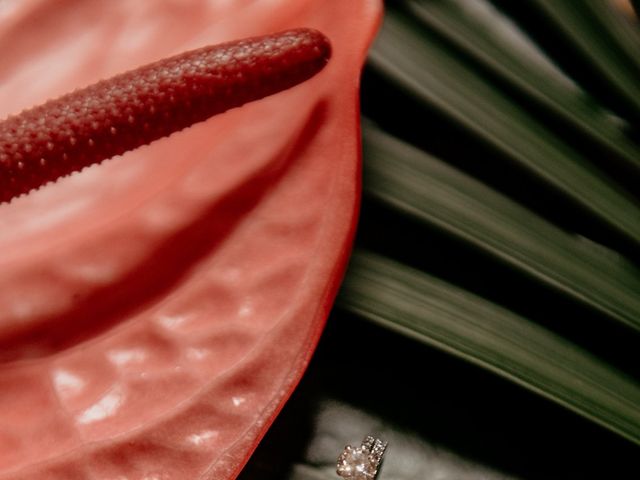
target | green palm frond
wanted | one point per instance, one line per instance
(423, 187)
(475, 66)
(434, 76)
(439, 314)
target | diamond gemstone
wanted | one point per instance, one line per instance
(355, 464)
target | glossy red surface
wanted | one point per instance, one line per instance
(157, 310)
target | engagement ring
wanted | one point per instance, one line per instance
(362, 463)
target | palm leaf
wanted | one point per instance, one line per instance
(454, 58)
(448, 58)
(420, 64)
(421, 186)
(449, 318)
(488, 37)
(592, 40)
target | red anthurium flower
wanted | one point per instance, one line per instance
(158, 309)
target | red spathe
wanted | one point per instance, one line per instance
(157, 310)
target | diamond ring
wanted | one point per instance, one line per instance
(362, 463)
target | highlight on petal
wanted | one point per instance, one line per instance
(157, 310)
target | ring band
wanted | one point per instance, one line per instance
(361, 463)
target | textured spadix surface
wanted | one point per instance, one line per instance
(157, 310)
(135, 108)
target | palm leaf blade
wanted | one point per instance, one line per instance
(423, 187)
(487, 36)
(440, 81)
(611, 48)
(456, 321)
